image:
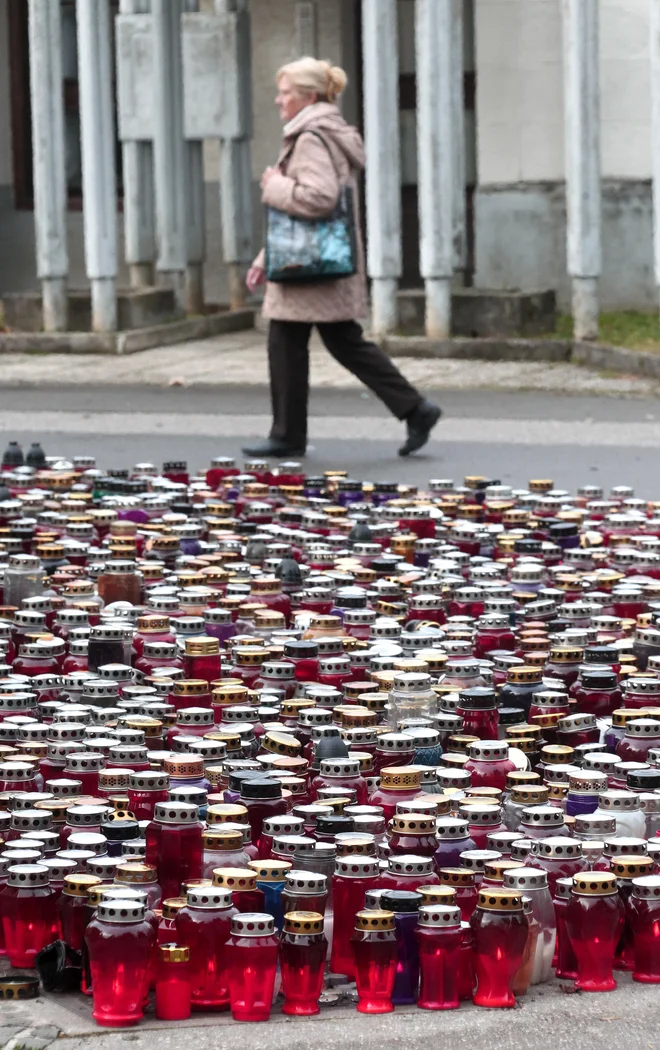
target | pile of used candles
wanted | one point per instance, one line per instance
(263, 735)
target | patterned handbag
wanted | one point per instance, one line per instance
(299, 250)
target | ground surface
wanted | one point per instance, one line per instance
(567, 423)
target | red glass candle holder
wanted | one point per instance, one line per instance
(565, 962)
(173, 987)
(28, 910)
(119, 944)
(353, 876)
(339, 774)
(304, 891)
(204, 925)
(262, 797)
(407, 872)
(594, 920)
(499, 928)
(439, 939)
(72, 908)
(489, 763)
(463, 882)
(144, 791)
(252, 951)
(375, 952)
(303, 949)
(174, 845)
(643, 915)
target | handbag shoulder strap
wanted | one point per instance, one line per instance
(319, 136)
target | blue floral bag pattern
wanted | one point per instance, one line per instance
(312, 249)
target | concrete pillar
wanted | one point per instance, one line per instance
(48, 159)
(458, 124)
(137, 166)
(655, 136)
(169, 147)
(436, 148)
(236, 211)
(383, 177)
(195, 216)
(97, 140)
(582, 137)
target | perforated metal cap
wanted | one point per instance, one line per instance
(595, 825)
(525, 879)
(621, 845)
(305, 882)
(408, 864)
(252, 924)
(451, 828)
(488, 751)
(120, 910)
(28, 876)
(647, 887)
(477, 859)
(87, 816)
(357, 866)
(558, 847)
(618, 801)
(285, 824)
(176, 813)
(208, 897)
(542, 817)
(439, 915)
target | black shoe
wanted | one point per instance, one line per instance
(273, 447)
(420, 423)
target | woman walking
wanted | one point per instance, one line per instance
(321, 153)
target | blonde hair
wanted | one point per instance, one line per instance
(313, 76)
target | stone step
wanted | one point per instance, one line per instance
(478, 312)
(136, 308)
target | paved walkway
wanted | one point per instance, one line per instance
(240, 359)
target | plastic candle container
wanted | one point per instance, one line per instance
(174, 845)
(489, 763)
(28, 910)
(643, 916)
(354, 875)
(499, 929)
(144, 791)
(304, 891)
(72, 908)
(252, 951)
(439, 938)
(533, 883)
(375, 952)
(119, 944)
(594, 920)
(204, 925)
(463, 882)
(303, 949)
(173, 991)
(404, 905)
(271, 879)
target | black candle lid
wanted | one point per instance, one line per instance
(334, 824)
(261, 787)
(511, 716)
(120, 830)
(301, 648)
(237, 777)
(400, 900)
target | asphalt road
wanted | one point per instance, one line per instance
(510, 436)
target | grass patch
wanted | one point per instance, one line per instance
(626, 328)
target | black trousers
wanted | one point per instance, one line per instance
(288, 360)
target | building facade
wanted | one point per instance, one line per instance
(511, 159)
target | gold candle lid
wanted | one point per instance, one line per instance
(226, 812)
(281, 744)
(174, 953)
(631, 866)
(437, 894)
(374, 920)
(202, 646)
(595, 884)
(400, 776)
(499, 900)
(235, 878)
(270, 870)
(494, 869)
(303, 922)
(134, 871)
(412, 824)
(79, 885)
(215, 839)
(190, 686)
(172, 906)
(456, 876)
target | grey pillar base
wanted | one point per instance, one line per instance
(141, 275)
(384, 305)
(585, 307)
(438, 307)
(237, 286)
(104, 304)
(176, 280)
(195, 288)
(54, 304)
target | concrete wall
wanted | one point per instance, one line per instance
(5, 132)
(520, 211)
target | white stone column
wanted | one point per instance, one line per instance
(582, 145)
(655, 136)
(48, 159)
(169, 146)
(195, 215)
(137, 164)
(236, 210)
(383, 176)
(436, 147)
(97, 139)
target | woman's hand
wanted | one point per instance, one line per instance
(267, 175)
(256, 275)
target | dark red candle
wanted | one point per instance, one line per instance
(252, 951)
(303, 949)
(242, 882)
(439, 939)
(354, 875)
(499, 928)
(119, 944)
(174, 845)
(204, 925)
(594, 920)
(643, 914)
(28, 910)
(173, 992)
(375, 953)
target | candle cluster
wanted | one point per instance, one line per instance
(262, 733)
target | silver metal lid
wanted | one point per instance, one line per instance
(285, 824)
(407, 864)
(252, 924)
(437, 915)
(86, 816)
(488, 751)
(618, 800)
(543, 816)
(28, 876)
(451, 828)
(305, 882)
(558, 847)
(526, 878)
(357, 866)
(340, 767)
(595, 824)
(621, 845)
(31, 820)
(209, 897)
(120, 910)
(477, 859)
(647, 887)
(150, 780)
(176, 813)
